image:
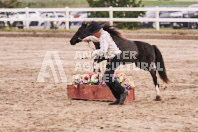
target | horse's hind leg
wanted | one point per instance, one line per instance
(153, 74)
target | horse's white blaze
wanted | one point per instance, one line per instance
(157, 90)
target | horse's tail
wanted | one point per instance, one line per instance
(159, 59)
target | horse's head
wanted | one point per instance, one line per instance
(80, 34)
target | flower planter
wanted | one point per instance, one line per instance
(94, 92)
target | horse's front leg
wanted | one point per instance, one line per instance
(97, 60)
(94, 69)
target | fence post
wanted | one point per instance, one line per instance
(67, 18)
(157, 18)
(111, 15)
(27, 18)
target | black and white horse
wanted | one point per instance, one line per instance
(146, 55)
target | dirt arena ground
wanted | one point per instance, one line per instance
(28, 105)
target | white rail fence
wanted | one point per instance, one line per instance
(67, 10)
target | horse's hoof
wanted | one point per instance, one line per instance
(158, 98)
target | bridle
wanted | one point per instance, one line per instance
(79, 38)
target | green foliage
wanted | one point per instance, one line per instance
(83, 3)
(9, 3)
(53, 3)
(168, 3)
(120, 14)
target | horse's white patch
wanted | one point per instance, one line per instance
(157, 90)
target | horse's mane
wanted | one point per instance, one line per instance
(112, 31)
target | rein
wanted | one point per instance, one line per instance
(79, 38)
(89, 45)
(87, 42)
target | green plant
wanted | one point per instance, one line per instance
(120, 14)
(9, 4)
(53, 3)
(168, 3)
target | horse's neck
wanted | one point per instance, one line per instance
(119, 42)
(122, 43)
(97, 44)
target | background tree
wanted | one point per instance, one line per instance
(9, 4)
(118, 3)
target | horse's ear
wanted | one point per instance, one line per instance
(84, 24)
(88, 23)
